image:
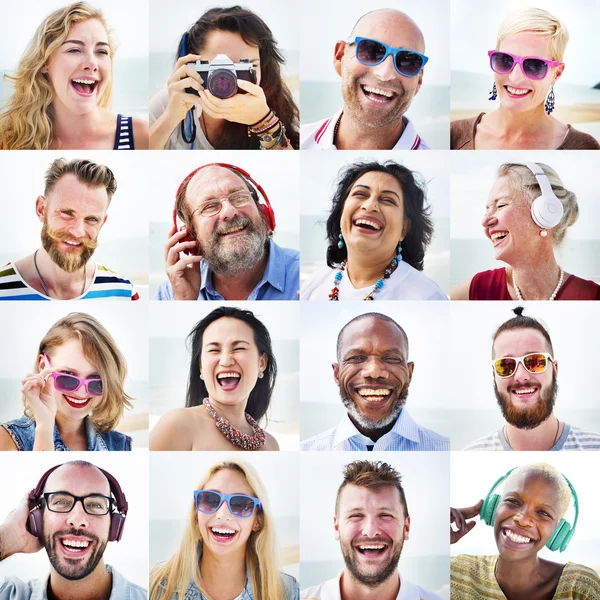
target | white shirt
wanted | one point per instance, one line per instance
(405, 283)
(319, 135)
(330, 590)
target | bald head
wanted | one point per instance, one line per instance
(387, 21)
(78, 475)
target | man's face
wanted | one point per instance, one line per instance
(73, 215)
(373, 373)
(371, 527)
(526, 399)
(75, 541)
(235, 239)
(377, 96)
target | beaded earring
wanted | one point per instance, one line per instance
(341, 242)
(493, 93)
(398, 258)
(549, 104)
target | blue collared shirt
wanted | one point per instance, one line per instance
(280, 281)
(405, 435)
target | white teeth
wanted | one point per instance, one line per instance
(223, 530)
(86, 81)
(371, 392)
(367, 223)
(373, 90)
(77, 400)
(517, 92)
(517, 538)
(229, 374)
(525, 391)
(499, 235)
(372, 547)
(73, 243)
(75, 544)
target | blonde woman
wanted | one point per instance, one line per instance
(527, 62)
(63, 89)
(75, 398)
(228, 548)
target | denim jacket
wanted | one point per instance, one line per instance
(22, 431)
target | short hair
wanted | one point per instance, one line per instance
(539, 21)
(552, 474)
(82, 463)
(372, 475)
(260, 396)
(525, 184)
(416, 210)
(374, 315)
(86, 171)
(101, 350)
(520, 321)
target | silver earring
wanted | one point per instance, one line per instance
(201, 376)
(543, 233)
(260, 374)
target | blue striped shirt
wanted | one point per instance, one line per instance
(405, 435)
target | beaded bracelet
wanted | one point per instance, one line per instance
(268, 126)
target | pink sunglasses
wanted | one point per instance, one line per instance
(71, 383)
(533, 67)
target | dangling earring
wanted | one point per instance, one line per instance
(493, 93)
(341, 242)
(543, 233)
(398, 258)
(549, 105)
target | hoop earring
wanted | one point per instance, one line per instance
(549, 104)
(493, 93)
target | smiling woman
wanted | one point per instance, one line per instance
(63, 89)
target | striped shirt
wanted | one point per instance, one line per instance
(405, 435)
(124, 134)
(107, 285)
(572, 438)
(472, 578)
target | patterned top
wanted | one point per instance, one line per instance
(472, 578)
(572, 438)
(107, 285)
(124, 134)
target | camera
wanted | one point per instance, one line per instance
(220, 76)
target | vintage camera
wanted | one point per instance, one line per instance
(220, 76)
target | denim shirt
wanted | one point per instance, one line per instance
(22, 431)
(13, 588)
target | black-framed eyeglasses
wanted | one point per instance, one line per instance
(93, 504)
(213, 207)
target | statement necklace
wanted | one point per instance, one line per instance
(558, 286)
(335, 291)
(234, 435)
(42, 280)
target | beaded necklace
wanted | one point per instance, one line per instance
(234, 435)
(553, 295)
(335, 291)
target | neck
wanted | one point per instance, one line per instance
(513, 126)
(541, 437)
(96, 586)
(363, 269)
(350, 588)
(352, 135)
(60, 284)
(235, 414)
(213, 128)
(70, 429)
(517, 574)
(239, 287)
(223, 577)
(373, 434)
(72, 129)
(536, 281)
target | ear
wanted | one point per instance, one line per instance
(338, 55)
(556, 368)
(41, 361)
(336, 528)
(44, 70)
(411, 367)
(103, 221)
(406, 228)
(263, 362)
(420, 82)
(559, 72)
(40, 207)
(258, 524)
(336, 370)
(406, 527)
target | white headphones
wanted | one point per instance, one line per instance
(547, 209)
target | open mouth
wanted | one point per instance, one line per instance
(367, 225)
(524, 392)
(371, 550)
(222, 534)
(516, 540)
(77, 402)
(228, 380)
(374, 395)
(237, 229)
(75, 547)
(84, 87)
(498, 236)
(514, 92)
(377, 94)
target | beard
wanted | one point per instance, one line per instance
(69, 261)
(371, 580)
(72, 569)
(533, 416)
(233, 257)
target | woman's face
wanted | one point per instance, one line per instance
(221, 531)
(69, 359)
(230, 361)
(80, 69)
(232, 45)
(373, 214)
(526, 517)
(516, 92)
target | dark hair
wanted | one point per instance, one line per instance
(255, 32)
(416, 210)
(260, 396)
(522, 322)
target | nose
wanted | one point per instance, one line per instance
(488, 219)
(370, 527)
(371, 204)
(227, 211)
(226, 358)
(223, 513)
(386, 71)
(522, 518)
(521, 373)
(374, 368)
(78, 518)
(90, 61)
(77, 228)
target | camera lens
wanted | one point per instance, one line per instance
(222, 83)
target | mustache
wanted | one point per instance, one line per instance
(237, 221)
(63, 236)
(82, 533)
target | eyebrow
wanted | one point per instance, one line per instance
(379, 508)
(382, 191)
(215, 196)
(232, 343)
(80, 43)
(540, 504)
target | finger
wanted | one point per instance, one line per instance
(471, 511)
(187, 261)
(457, 518)
(251, 88)
(182, 84)
(173, 255)
(182, 60)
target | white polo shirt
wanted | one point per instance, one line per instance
(320, 135)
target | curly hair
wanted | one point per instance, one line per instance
(255, 32)
(26, 121)
(416, 210)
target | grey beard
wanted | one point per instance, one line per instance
(365, 423)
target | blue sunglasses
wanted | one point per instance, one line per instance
(372, 52)
(240, 505)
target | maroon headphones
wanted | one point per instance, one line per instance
(117, 519)
(266, 208)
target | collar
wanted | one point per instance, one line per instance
(331, 589)
(404, 426)
(274, 275)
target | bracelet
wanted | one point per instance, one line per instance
(272, 122)
(281, 140)
(261, 120)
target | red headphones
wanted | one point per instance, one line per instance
(265, 207)
(35, 522)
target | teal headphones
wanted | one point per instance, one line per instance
(562, 534)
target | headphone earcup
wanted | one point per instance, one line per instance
(561, 537)
(35, 523)
(117, 524)
(269, 216)
(547, 211)
(488, 509)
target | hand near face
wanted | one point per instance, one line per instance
(183, 273)
(184, 76)
(459, 516)
(37, 389)
(14, 537)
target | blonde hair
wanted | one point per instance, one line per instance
(553, 475)
(172, 577)
(26, 122)
(101, 350)
(525, 184)
(539, 21)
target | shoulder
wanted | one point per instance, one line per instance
(328, 590)
(427, 436)
(411, 590)
(109, 284)
(461, 291)
(578, 140)
(164, 292)
(290, 254)
(469, 566)
(488, 442)
(8, 438)
(461, 132)
(321, 441)
(581, 439)
(489, 285)
(420, 287)
(311, 285)
(311, 133)
(141, 136)
(576, 288)
(270, 442)
(175, 430)
(582, 582)
(290, 585)
(13, 588)
(117, 441)
(123, 588)
(157, 104)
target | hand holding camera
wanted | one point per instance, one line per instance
(183, 85)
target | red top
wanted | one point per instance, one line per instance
(491, 285)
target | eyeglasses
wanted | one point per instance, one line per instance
(71, 383)
(534, 363)
(533, 67)
(372, 52)
(240, 505)
(213, 207)
(63, 502)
